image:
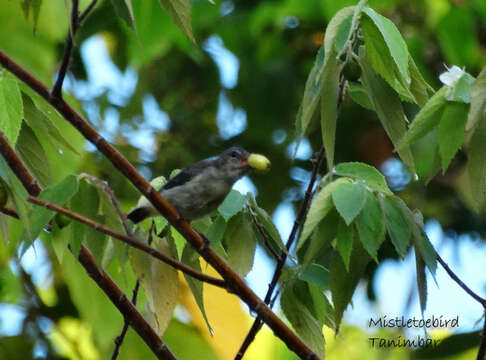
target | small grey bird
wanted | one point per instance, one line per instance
(200, 188)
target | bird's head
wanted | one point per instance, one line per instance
(235, 161)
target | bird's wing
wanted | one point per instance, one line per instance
(186, 174)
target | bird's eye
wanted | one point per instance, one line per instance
(234, 154)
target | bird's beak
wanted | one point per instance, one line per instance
(259, 162)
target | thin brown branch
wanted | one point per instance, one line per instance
(57, 89)
(104, 281)
(76, 21)
(234, 282)
(482, 342)
(129, 311)
(119, 339)
(18, 167)
(9, 212)
(454, 277)
(132, 241)
(257, 324)
(86, 11)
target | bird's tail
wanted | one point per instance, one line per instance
(139, 214)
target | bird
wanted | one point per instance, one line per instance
(200, 188)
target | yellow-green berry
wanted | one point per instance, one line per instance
(259, 162)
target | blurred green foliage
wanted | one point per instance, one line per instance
(275, 43)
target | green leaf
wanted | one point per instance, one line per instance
(419, 238)
(304, 323)
(165, 288)
(17, 193)
(266, 221)
(96, 241)
(371, 226)
(349, 199)
(343, 33)
(11, 110)
(86, 202)
(33, 155)
(319, 208)
(478, 101)
(35, 5)
(59, 194)
(11, 285)
(312, 298)
(232, 204)
(240, 244)
(182, 338)
(396, 224)
(180, 13)
(426, 118)
(335, 29)
(330, 79)
(217, 230)
(419, 87)
(387, 52)
(344, 242)
(426, 250)
(388, 108)
(202, 224)
(345, 29)
(461, 90)
(320, 240)
(160, 283)
(476, 164)
(312, 92)
(141, 264)
(421, 281)
(393, 39)
(321, 308)
(343, 282)
(360, 171)
(426, 154)
(59, 240)
(316, 274)
(111, 219)
(329, 99)
(123, 9)
(43, 126)
(191, 257)
(359, 95)
(451, 131)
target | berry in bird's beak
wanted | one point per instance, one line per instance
(259, 162)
